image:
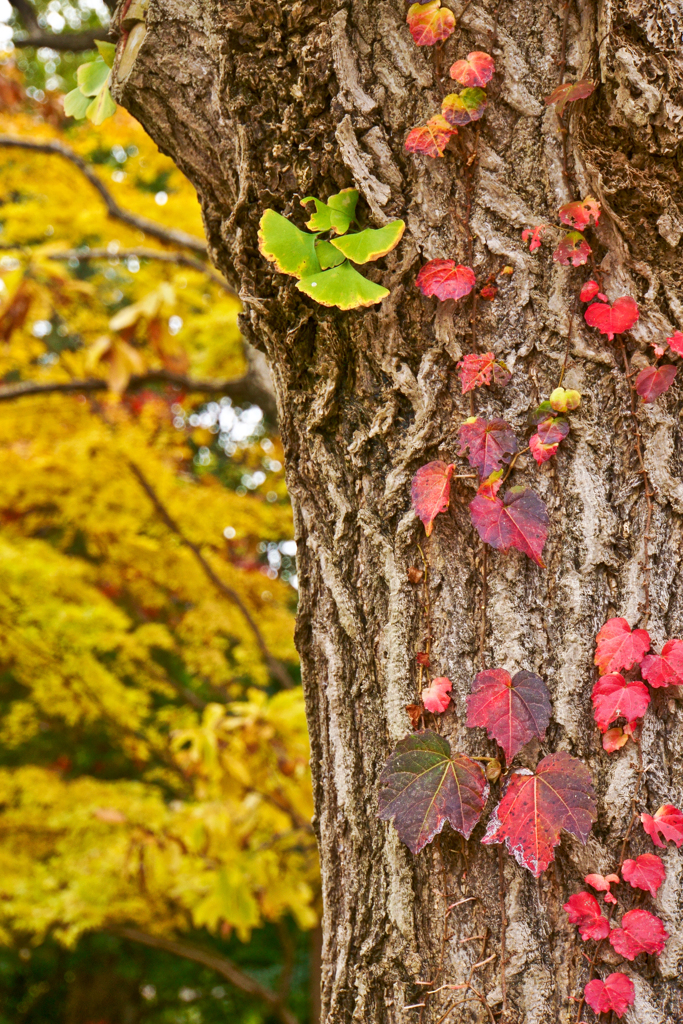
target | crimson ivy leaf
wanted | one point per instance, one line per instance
(431, 491)
(584, 910)
(618, 647)
(617, 992)
(665, 669)
(424, 786)
(645, 872)
(614, 698)
(614, 319)
(491, 443)
(445, 279)
(640, 932)
(519, 521)
(476, 370)
(589, 291)
(676, 343)
(653, 381)
(667, 821)
(536, 807)
(512, 709)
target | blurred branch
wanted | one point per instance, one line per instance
(246, 388)
(37, 36)
(150, 227)
(215, 962)
(179, 258)
(276, 667)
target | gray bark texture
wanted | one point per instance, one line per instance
(261, 104)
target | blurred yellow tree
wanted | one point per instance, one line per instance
(155, 766)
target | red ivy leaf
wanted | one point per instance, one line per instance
(431, 138)
(475, 370)
(601, 883)
(617, 992)
(578, 215)
(435, 697)
(614, 698)
(652, 382)
(431, 491)
(589, 291)
(533, 235)
(569, 92)
(572, 249)
(491, 443)
(512, 709)
(463, 107)
(430, 23)
(476, 70)
(536, 807)
(665, 669)
(584, 910)
(548, 435)
(424, 786)
(489, 291)
(614, 739)
(519, 521)
(618, 647)
(645, 872)
(614, 319)
(676, 343)
(640, 932)
(445, 279)
(668, 821)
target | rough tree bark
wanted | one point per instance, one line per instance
(261, 104)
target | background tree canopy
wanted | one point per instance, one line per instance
(154, 788)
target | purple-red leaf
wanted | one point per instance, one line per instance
(431, 491)
(549, 433)
(645, 872)
(536, 807)
(617, 992)
(431, 138)
(423, 786)
(445, 279)
(614, 698)
(430, 23)
(491, 443)
(435, 697)
(584, 910)
(463, 107)
(614, 319)
(667, 821)
(519, 521)
(640, 932)
(572, 249)
(665, 669)
(618, 647)
(653, 381)
(512, 709)
(476, 70)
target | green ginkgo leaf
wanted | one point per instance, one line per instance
(328, 256)
(107, 51)
(101, 107)
(342, 286)
(370, 244)
(291, 250)
(345, 202)
(76, 104)
(92, 76)
(334, 215)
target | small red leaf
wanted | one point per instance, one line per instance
(489, 291)
(476, 70)
(569, 92)
(676, 343)
(475, 370)
(614, 698)
(435, 697)
(617, 992)
(422, 658)
(491, 443)
(512, 709)
(463, 107)
(668, 821)
(665, 669)
(601, 883)
(423, 786)
(578, 215)
(640, 932)
(431, 491)
(533, 235)
(652, 382)
(519, 521)
(431, 138)
(645, 872)
(548, 435)
(572, 249)
(430, 23)
(589, 291)
(614, 739)
(614, 319)
(584, 910)
(618, 647)
(445, 279)
(536, 807)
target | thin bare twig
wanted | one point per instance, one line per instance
(503, 926)
(179, 258)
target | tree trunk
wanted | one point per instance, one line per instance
(263, 104)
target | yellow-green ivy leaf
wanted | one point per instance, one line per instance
(372, 243)
(342, 286)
